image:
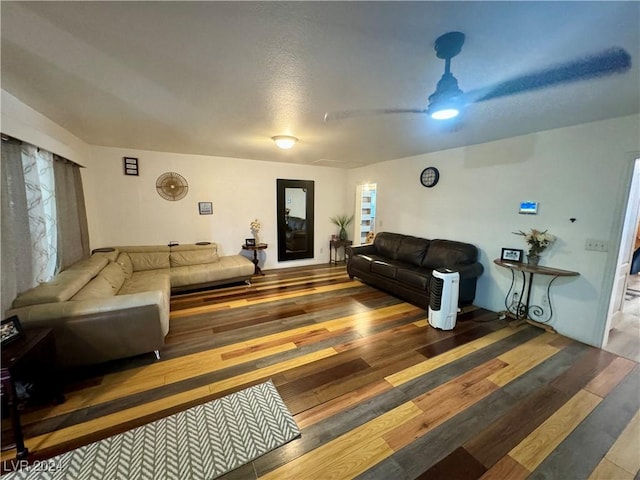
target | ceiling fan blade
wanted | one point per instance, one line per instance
(329, 116)
(614, 60)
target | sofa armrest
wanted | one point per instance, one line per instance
(97, 330)
(471, 270)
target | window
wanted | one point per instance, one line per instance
(44, 224)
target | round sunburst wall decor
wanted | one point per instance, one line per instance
(172, 186)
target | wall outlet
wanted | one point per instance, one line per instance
(514, 301)
(596, 245)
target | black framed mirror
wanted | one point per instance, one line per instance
(295, 219)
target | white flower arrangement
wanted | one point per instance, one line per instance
(255, 226)
(537, 240)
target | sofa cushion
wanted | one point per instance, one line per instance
(412, 250)
(414, 277)
(146, 281)
(64, 285)
(109, 253)
(229, 267)
(90, 266)
(363, 262)
(383, 268)
(387, 244)
(99, 287)
(114, 274)
(143, 261)
(124, 260)
(195, 256)
(448, 254)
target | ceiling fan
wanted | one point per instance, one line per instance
(448, 100)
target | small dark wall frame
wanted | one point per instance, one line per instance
(205, 208)
(130, 166)
(250, 242)
(512, 255)
(10, 330)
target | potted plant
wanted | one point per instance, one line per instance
(255, 229)
(538, 241)
(342, 221)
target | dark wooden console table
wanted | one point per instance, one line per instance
(521, 308)
(32, 357)
(255, 249)
(334, 245)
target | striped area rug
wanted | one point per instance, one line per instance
(200, 443)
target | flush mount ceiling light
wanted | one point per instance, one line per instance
(284, 141)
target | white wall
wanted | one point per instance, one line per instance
(578, 172)
(24, 123)
(126, 210)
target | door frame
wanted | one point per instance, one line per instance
(357, 216)
(626, 227)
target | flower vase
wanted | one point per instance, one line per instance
(343, 234)
(257, 238)
(533, 259)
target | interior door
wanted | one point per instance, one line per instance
(626, 251)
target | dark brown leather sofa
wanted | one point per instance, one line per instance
(402, 265)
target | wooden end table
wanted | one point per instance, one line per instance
(255, 249)
(32, 357)
(334, 245)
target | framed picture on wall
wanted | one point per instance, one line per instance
(205, 208)
(131, 166)
(10, 330)
(512, 255)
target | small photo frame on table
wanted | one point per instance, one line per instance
(205, 208)
(250, 242)
(130, 166)
(512, 255)
(10, 330)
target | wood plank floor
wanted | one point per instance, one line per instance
(376, 391)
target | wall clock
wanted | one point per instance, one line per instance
(429, 177)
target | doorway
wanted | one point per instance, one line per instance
(622, 333)
(365, 214)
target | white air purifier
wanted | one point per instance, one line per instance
(443, 302)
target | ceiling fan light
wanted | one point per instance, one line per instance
(442, 108)
(445, 102)
(444, 113)
(284, 142)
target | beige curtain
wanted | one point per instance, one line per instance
(44, 221)
(73, 232)
(16, 267)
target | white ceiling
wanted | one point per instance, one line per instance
(221, 78)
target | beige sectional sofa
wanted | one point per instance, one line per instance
(115, 304)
